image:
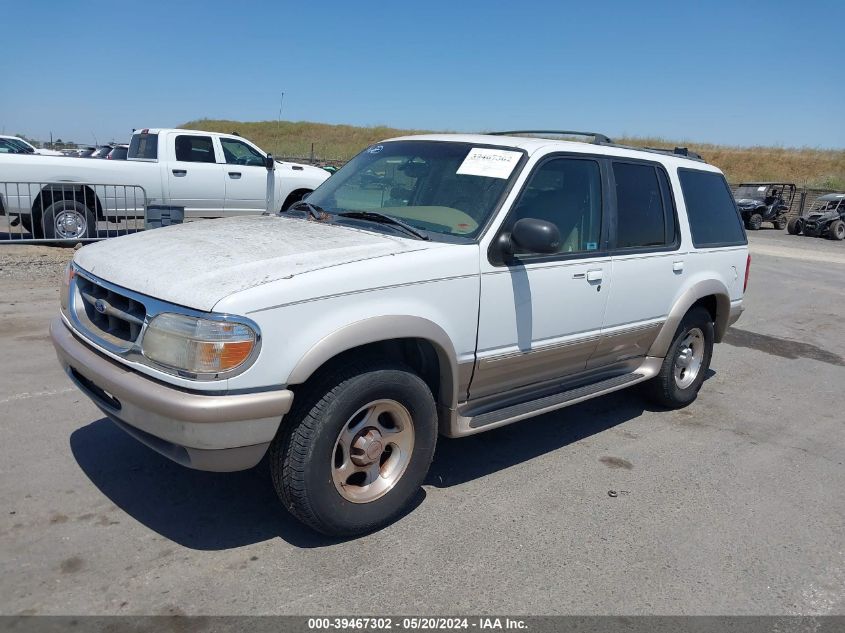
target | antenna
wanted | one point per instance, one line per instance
(95, 139)
(279, 123)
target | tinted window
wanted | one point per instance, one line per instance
(239, 153)
(194, 149)
(712, 214)
(567, 193)
(144, 146)
(639, 206)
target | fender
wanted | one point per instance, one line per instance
(384, 328)
(699, 290)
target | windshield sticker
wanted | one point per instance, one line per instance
(375, 149)
(761, 188)
(491, 163)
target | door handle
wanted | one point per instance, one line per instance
(180, 172)
(595, 274)
(678, 267)
(234, 174)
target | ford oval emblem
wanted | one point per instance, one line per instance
(100, 306)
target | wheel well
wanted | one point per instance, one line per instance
(294, 196)
(84, 194)
(708, 303)
(417, 353)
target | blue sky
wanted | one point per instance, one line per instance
(741, 73)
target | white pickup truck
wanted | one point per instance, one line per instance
(207, 174)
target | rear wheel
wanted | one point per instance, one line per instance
(780, 223)
(687, 361)
(356, 448)
(754, 222)
(793, 227)
(68, 220)
(837, 230)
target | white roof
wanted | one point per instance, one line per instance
(532, 144)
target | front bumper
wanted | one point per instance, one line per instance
(203, 431)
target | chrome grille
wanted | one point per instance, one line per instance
(108, 314)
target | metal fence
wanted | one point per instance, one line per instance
(65, 212)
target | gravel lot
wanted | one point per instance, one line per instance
(731, 506)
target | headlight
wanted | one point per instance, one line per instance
(196, 345)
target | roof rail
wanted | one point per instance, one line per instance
(678, 151)
(598, 139)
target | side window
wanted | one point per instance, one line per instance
(194, 149)
(567, 193)
(641, 219)
(239, 153)
(712, 213)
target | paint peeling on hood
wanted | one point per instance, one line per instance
(199, 263)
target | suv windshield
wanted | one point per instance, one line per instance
(448, 188)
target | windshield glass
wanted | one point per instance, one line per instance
(439, 187)
(827, 205)
(757, 192)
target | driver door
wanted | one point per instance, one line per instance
(245, 176)
(541, 315)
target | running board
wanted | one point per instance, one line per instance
(515, 412)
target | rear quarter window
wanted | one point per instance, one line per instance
(713, 218)
(143, 146)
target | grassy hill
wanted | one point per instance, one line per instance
(824, 169)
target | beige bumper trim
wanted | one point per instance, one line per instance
(170, 402)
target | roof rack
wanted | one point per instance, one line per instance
(598, 139)
(678, 151)
(601, 139)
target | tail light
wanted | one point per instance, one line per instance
(747, 270)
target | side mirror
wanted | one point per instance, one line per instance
(536, 236)
(270, 162)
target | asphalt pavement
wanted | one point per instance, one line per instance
(734, 505)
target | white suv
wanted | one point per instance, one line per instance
(444, 284)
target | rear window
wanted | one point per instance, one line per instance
(712, 213)
(144, 146)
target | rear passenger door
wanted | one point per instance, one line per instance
(195, 177)
(646, 261)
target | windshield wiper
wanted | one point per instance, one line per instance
(318, 213)
(381, 218)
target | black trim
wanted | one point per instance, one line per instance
(733, 200)
(520, 260)
(636, 250)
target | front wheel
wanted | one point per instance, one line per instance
(356, 448)
(687, 361)
(837, 230)
(793, 227)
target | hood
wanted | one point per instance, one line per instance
(199, 263)
(748, 202)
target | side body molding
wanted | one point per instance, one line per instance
(699, 290)
(385, 328)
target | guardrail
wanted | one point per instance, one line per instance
(69, 212)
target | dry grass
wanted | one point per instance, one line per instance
(817, 168)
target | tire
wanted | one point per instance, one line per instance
(313, 460)
(836, 230)
(754, 222)
(793, 227)
(675, 386)
(294, 197)
(68, 220)
(780, 223)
